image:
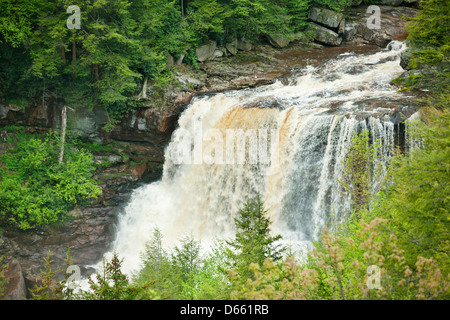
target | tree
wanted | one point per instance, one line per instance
(112, 284)
(253, 242)
(360, 170)
(341, 267)
(430, 47)
(16, 20)
(416, 201)
(158, 269)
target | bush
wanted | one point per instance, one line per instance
(35, 190)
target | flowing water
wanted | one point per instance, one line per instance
(298, 134)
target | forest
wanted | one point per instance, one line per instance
(403, 229)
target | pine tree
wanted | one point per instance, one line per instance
(253, 242)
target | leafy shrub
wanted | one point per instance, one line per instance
(338, 270)
(35, 190)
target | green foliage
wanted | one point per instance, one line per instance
(361, 170)
(417, 201)
(337, 269)
(336, 5)
(210, 282)
(184, 273)
(253, 242)
(186, 262)
(35, 190)
(49, 288)
(157, 268)
(16, 20)
(112, 284)
(3, 280)
(121, 43)
(430, 40)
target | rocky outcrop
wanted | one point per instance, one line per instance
(326, 17)
(16, 288)
(392, 25)
(205, 51)
(325, 35)
(244, 45)
(331, 27)
(281, 41)
(328, 25)
(278, 41)
(232, 47)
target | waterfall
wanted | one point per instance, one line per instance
(286, 142)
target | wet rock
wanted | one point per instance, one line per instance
(392, 25)
(325, 36)
(350, 31)
(190, 82)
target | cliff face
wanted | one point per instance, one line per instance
(133, 151)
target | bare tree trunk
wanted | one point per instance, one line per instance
(180, 59)
(43, 96)
(96, 73)
(74, 55)
(63, 133)
(144, 89)
(63, 54)
(74, 49)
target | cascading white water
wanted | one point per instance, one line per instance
(302, 131)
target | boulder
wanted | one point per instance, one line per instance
(377, 37)
(325, 36)
(232, 47)
(350, 31)
(341, 27)
(206, 51)
(86, 122)
(5, 109)
(325, 17)
(278, 41)
(393, 20)
(190, 82)
(405, 59)
(16, 287)
(218, 53)
(244, 45)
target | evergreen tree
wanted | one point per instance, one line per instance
(158, 269)
(253, 242)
